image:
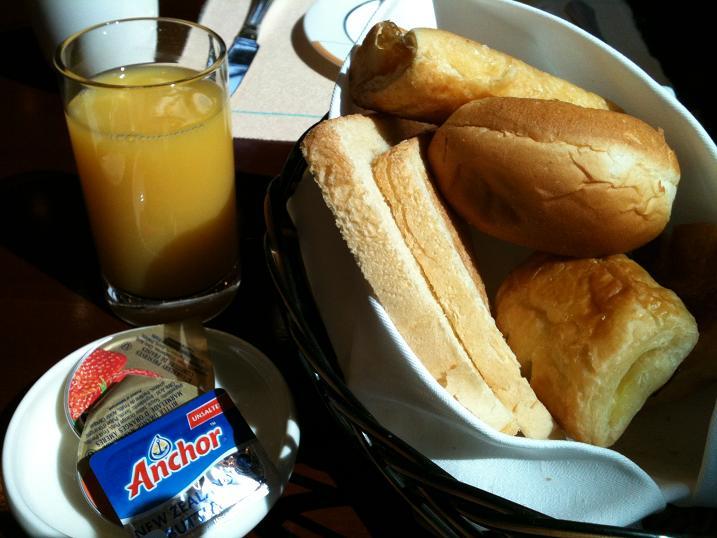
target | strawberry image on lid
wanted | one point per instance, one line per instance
(94, 376)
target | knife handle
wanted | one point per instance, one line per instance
(257, 10)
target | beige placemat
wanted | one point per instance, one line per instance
(287, 88)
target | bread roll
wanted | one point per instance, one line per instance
(435, 242)
(556, 177)
(426, 74)
(340, 153)
(595, 337)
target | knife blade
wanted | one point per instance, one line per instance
(244, 47)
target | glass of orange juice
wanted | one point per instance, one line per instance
(147, 110)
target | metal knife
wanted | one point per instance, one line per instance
(243, 49)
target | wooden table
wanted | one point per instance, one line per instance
(52, 303)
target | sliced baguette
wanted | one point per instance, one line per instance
(340, 153)
(431, 234)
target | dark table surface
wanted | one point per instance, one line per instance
(52, 302)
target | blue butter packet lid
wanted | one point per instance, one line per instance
(181, 470)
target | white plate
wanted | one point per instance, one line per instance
(333, 26)
(39, 452)
(667, 454)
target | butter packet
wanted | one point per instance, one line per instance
(181, 473)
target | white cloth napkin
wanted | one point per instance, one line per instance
(669, 453)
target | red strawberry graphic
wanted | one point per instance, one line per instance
(92, 378)
(119, 376)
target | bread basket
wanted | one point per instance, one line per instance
(445, 504)
(439, 502)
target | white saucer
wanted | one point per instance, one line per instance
(333, 26)
(38, 457)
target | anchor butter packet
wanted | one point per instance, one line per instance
(180, 473)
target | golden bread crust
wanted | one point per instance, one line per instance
(430, 232)
(426, 74)
(556, 177)
(595, 336)
(340, 153)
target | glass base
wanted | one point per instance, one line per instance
(204, 305)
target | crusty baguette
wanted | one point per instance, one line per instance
(556, 177)
(426, 74)
(340, 153)
(431, 234)
(596, 336)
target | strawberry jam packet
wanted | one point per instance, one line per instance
(181, 473)
(176, 351)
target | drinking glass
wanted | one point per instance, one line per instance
(147, 110)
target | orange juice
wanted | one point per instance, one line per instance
(157, 171)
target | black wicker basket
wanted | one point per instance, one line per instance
(441, 503)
